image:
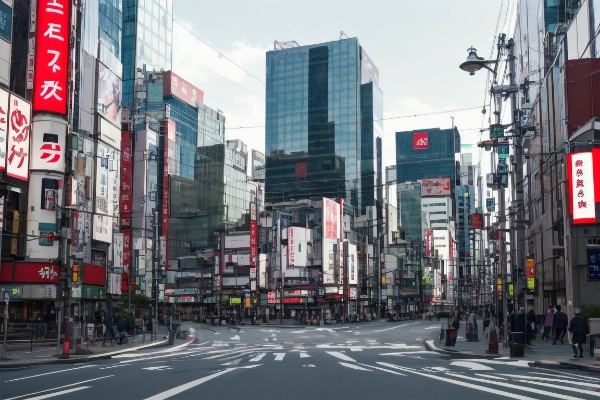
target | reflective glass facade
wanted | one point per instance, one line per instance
(313, 138)
(147, 38)
(437, 161)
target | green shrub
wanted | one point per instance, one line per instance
(590, 311)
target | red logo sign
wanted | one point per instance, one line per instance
(421, 141)
(174, 85)
(50, 152)
(52, 56)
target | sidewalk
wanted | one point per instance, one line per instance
(539, 354)
(20, 356)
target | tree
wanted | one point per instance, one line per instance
(138, 302)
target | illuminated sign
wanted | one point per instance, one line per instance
(52, 56)
(421, 141)
(435, 187)
(3, 126)
(580, 172)
(17, 164)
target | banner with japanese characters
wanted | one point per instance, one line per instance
(48, 138)
(51, 56)
(580, 173)
(17, 164)
(3, 126)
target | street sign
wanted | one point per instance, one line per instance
(503, 150)
(490, 204)
(496, 131)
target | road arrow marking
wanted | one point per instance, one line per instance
(354, 366)
(159, 368)
(473, 366)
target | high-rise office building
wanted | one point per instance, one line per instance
(323, 113)
(147, 40)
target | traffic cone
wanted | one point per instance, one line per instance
(493, 344)
(65, 353)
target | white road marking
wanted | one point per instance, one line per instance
(182, 388)
(50, 373)
(355, 348)
(158, 368)
(354, 366)
(236, 337)
(554, 380)
(279, 356)
(526, 389)
(473, 366)
(460, 383)
(113, 366)
(258, 357)
(561, 387)
(563, 374)
(408, 353)
(45, 396)
(304, 354)
(233, 362)
(60, 387)
(341, 356)
(383, 369)
(310, 366)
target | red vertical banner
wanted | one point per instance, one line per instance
(428, 235)
(127, 272)
(53, 34)
(253, 243)
(126, 178)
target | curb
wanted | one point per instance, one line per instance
(565, 365)
(78, 360)
(429, 345)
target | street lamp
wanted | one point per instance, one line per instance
(474, 63)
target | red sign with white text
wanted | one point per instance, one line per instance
(253, 243)
(52, 56)
(174, 85)
(582, 190)
(17, 163)
(29, 272)
(421, 141)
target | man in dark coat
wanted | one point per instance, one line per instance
(578, 327)
(120, 327)
(108, 332)
(531, 319)
(559, 325)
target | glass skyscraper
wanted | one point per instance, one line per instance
(147, 39)
(425, 154)
(323, 113)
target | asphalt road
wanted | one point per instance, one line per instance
(379, 360)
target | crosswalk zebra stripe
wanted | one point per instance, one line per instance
(522, 388)
(258, 357)
(458, 383)
(550, 385)
(554, 380)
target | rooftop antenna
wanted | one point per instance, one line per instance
(343, 35)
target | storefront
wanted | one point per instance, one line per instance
(91, 294)
(32, 290)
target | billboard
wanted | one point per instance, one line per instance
(296, 252)
(392, 223)
(178, 87)
(108, 102)
(3, 127)
(477, 221)
(106, 201)
(580, 175)
(593, 257)
(436, 187)
(352, 264)
(331, 228)
(44, 197)
(19, 120)
(368, 70)
(48, 138)
(420, 141)
(52, 41)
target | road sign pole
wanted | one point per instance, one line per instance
(6, 298)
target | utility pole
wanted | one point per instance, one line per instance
(155, 269)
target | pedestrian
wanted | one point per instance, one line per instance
(108, 331)
(578, 327)
(120, 328)
(472, 324)
(559, 324)
(531, 319)
(548, 323)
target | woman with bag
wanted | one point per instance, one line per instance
(548, 323)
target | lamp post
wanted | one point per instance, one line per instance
(472, 65)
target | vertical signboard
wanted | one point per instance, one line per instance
(331, 228)
(253, 243)
(530, 273)
(352, 264)
(580, 173)
(3, 126)
(47, 144)
(18, 138)
(51, 57)
(428, 237)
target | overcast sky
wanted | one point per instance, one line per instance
(416, 45)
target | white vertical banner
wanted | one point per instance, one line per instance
(118, 250)
(18, 138)
(3, 126)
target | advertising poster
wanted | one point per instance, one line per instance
(331, 229)
(435, 187)
(108, 103)
(580, 173)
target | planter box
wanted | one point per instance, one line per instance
(594, 325)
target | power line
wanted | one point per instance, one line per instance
(238, 85)
(217, 51)
(382, 119)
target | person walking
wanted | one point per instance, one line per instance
(108, 331)
(120, 328)
(548, 323)
(559, 325)
(531, 320)
(578, 327)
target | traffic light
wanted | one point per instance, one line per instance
(75, 273)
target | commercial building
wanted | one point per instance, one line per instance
(323, 114)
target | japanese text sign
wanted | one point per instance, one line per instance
(3, 126)
(17, 164)
(51, 55)
(581, 187)
(253, 243)
(421, 141)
